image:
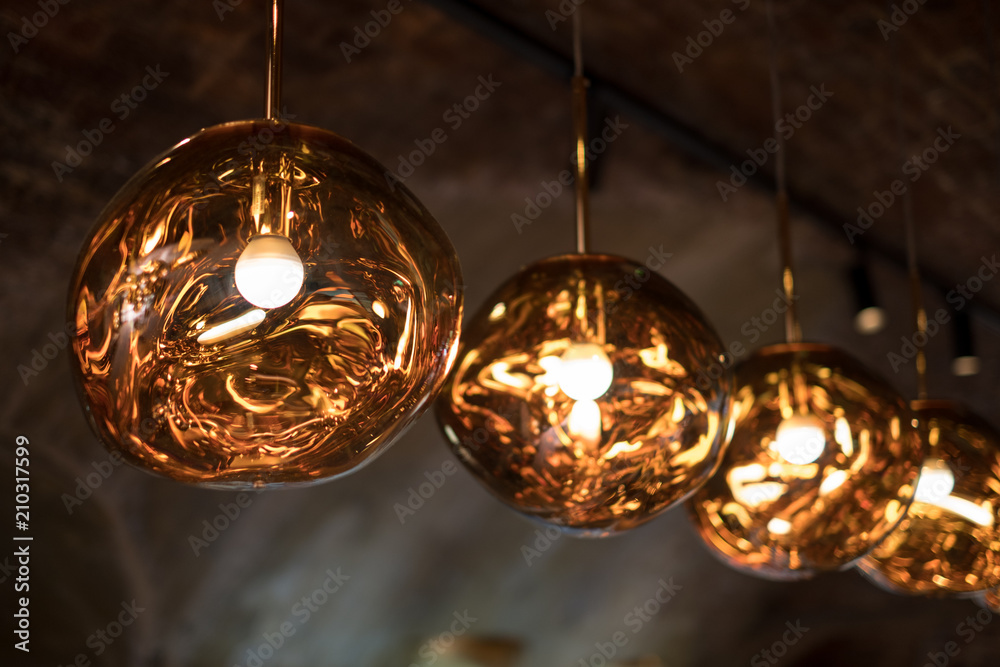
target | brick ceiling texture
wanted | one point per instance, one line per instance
(688, 104)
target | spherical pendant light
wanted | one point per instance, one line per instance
(259, 306)
(949, 542)
(821, 465)
(583, 404)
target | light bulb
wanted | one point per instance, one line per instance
(870, 320)
(936, 482)
(585, 372)
(800, 439)
(269, 272)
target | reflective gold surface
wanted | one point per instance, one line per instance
(787, 508)
(646, 428)
(949, 542)
(186, 378)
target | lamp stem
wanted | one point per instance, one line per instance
(919, 313)
(580, 84)
(793, 331)
(273, 93)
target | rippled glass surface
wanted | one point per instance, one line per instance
(188, 379)
(821, 465)
(585, 402)
(949, 542)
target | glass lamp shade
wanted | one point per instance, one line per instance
(949, 541)
(990, 599)
(260, 305)
(822, 464)
(583, 395)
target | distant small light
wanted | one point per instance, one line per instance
(870, 320)
(965, 366)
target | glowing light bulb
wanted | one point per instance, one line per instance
(585, 372)
(269, 273)
(936, 482)
(800, 439)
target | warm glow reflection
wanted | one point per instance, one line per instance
(842, 436)
(746, 487)
(779, 526)
(230, 328)
(584, 422)
(935, 488)
(832, 482)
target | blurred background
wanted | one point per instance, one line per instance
(128, 569)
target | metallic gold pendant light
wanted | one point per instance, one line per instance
(258, 307)
(823, 459)
(949, 542)
(575, 403)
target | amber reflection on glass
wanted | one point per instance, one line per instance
(646, 425)
(187, 378)
(990, 599)
(949, 542)
(821, 465)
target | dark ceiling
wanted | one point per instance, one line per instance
(657, 185)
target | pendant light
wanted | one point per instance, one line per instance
(258, 307)
(575, 401)
(949, 542)
(822, 461)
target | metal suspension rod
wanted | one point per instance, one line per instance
(912, 268)
(273, 92)
(793, 331)
(580, 84)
